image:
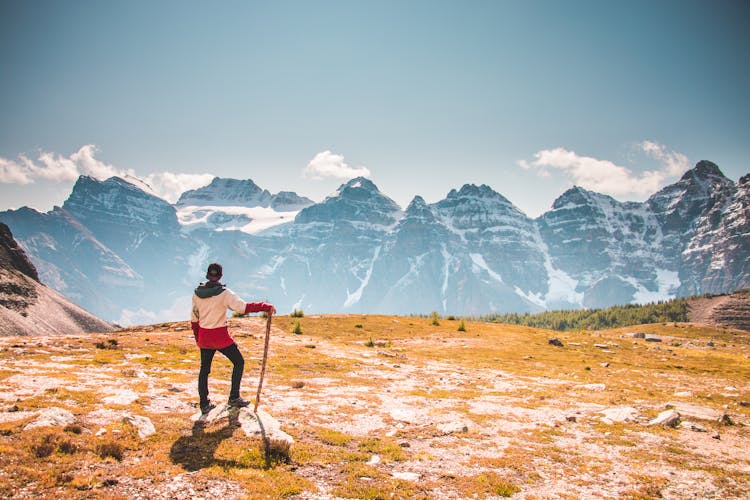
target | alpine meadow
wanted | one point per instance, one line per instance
(374, 250)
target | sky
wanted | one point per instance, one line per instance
(528, 97)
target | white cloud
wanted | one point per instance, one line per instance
(57, 168)
(607, 177)
(674, 163)
(12, 172)
(88, 165)
(53, 167)
(66, 169)
(327, 164)
(170, 185)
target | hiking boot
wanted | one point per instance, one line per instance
(207, 407)
(238, 402)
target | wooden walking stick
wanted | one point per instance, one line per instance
(263, 364)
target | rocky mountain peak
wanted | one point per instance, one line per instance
(223, 192)
(284, 201)
(704, 169)
(12, 256)
(117, 201)
(474, 191)
(481, 203)
(418, 209)
(358, 184)
(416, 204)
(575, 196)
(579, 197)
(687, 198)
(357, 200)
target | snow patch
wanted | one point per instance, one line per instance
(667, 284)
(261, 218)
(353, 298)
(534, 298)
(479, 261)
(562, 287)
(272, 266)
(298, 305)
(446, 268)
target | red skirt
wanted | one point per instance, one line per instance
(214, 338)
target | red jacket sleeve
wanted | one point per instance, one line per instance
(254, 307)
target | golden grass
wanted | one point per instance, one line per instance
(367, 482)
(641, 374)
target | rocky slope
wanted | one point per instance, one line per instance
(132, 257)
(29, 308)
(725, 311)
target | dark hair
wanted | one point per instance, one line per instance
(214, 272)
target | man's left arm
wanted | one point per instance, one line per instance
(194, 319)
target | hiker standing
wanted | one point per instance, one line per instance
(209, 322)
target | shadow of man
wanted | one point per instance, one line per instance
(197, 451)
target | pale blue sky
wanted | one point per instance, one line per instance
(427, 95)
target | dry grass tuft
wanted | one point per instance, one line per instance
(111, 449)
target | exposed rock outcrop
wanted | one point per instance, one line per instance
(27, 307)
(729, 311)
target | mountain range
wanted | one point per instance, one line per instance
(130, 256)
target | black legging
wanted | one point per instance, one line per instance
(232, 352)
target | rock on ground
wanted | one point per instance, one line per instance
(695, 411)
(142, 424)
(259, 424)
(619, 414)
(52, 417)
(666, 418)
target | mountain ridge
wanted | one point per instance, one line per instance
(471, 253)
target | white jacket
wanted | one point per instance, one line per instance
(211, 312)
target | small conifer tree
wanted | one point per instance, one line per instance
(435, 317)
(297, 328)
(462, 326)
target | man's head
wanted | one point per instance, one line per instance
(214, 272)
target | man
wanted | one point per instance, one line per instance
(209, 322)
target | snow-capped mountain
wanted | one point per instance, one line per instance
(242, 193)
(323, 260)
(129, 256)
(231, 204)
(717, 257)
(612, 250)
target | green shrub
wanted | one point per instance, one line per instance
(462, 326)
(297, 313)
(297, 328)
